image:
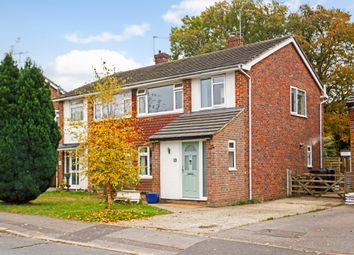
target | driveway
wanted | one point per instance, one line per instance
(330, 231)
(204, 220)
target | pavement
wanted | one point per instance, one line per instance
(329, 231)
(15, 245)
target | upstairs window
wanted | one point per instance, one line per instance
(298, 102)
(232, 154)
(120, 106)
(309, 156)
(160, 99)
(212, 92)
(77, 110)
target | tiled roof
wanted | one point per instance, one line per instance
(196, 124)
(67, 146)
(176, 69)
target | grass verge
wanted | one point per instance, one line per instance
(81, 206)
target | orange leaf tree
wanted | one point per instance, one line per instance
(108, 147)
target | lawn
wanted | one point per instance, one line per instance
(81, 206)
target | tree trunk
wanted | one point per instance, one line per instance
(108, 196)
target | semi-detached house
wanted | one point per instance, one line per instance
(219, 127)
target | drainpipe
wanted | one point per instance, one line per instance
(249, 132)
(325, 98)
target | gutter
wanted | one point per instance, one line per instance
(249, 132)
(325, 98)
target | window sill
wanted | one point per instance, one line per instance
(140, 115)
(115, 117)
(298, 115)
(145, 177)
(212, 107)
(232, 169)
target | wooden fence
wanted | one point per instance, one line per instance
(321, 184)
(340, 164)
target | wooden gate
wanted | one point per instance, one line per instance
(321, 184)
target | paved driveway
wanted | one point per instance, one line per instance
(330, 231)
(205, 220)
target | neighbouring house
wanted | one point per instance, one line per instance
(350, 105)
(56, 91)
(219, 127)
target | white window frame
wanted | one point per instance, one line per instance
(229, 149)
(212, 92)
(72, 169)
(126, 97)
(295, 113)
(143, 93)
(309, 156)
(74, 105)
(147, 154)
(177, 88)
(56, 116)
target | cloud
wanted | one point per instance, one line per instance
(186, 7)
(128, 32)
(76, 68)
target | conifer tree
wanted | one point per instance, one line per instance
(29, 134)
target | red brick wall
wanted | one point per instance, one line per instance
(59, 107)
(226, 186)
(187, 95)
(277, 134)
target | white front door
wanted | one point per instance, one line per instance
(181, 170)
(72, 172)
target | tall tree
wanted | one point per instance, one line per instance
(31, 138)
(327, 37)
(209, 31)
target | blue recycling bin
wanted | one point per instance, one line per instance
(152, 198)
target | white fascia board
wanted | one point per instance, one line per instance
(249, 65)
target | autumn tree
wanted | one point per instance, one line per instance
(108, 147)
(209, 31)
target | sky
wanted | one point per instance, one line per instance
(69, 38)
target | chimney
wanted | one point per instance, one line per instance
(234, 41)
(161, 57)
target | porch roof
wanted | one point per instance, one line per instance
(350, 101)
(67, 146)
(196, 124)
